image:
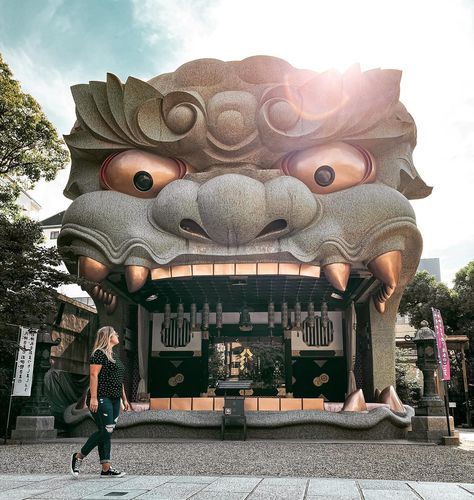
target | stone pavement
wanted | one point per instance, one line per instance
(17, 487)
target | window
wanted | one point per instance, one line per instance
(53, 235)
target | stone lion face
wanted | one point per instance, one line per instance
(253, 164)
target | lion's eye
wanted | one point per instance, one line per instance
(331, 167)
(140, 173)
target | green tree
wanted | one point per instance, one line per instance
(423, 293)
(30, 150)
(464, 298)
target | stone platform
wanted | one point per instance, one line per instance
(377, 424)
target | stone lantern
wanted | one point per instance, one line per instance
(430, 421)
(427, 361)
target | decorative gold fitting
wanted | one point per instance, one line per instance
(387, 268)
(135, 276)
(108, 298)
(380, 306)
(355, 402)
(95, 291)
(236, 269)
(110, 308)
(100, 294)
(338, 274)
(91, 270)
(390, 397)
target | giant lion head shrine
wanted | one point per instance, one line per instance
(231, 203)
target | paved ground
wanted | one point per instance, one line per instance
(357, 460)
(16, 487)
(229, 470)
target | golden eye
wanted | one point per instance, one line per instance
(140, 173)
(330, 167)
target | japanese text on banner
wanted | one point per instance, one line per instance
(25, 363)
(441, 342)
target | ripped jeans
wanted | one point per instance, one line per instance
(105, 417)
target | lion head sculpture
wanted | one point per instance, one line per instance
(251, 161)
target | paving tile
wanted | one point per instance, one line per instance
(467, 486)
(9, 484)
(219, 495)
(283, 481)
(194, 479)
(389, 495)
(21, 493)
(27, 477)
(332, 497)
(145, 482)
(231, 483)
(115, 493)
(279, 489)
(77, 490)
(346, 488)
(173, 491)
(277, 493)
(381, 484)
(435, 491)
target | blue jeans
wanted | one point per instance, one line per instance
(105, 417)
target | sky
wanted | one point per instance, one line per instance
(53, 44)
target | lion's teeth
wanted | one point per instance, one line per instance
(91, 269)
(135, 276)
(380, 306)
(338, 274)
(387, 267)
(110, 308)
(108, 298)
(390, 397)
(355, 401)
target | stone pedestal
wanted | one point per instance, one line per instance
(430, 429)
(34, 428)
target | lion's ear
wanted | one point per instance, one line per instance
(413, 188)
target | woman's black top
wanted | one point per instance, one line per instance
(110, 376)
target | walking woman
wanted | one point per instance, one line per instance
(106, 389)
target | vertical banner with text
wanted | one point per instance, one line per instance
(441, 342)
(25, 363)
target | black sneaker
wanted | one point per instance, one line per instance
(112, 473)
(75, 465)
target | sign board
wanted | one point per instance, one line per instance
(441, 342)
(25, 363)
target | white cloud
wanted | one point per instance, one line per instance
(49, 86)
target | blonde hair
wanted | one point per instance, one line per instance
(102, 342)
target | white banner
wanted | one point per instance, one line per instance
(25, 363)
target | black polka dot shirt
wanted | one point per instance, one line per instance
(110, 376)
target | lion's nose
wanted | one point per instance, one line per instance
(234, 209)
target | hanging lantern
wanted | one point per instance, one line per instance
(193, 316)
(298, 315)
(167, 315)
(311, 319)
(219, 315)
(180, 314)
(205, 317)
(284, 315)
(271, 315)
(324, 315)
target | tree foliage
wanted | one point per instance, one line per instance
(463, 291)
(29, 150)
(423, 293)
(29, 145)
